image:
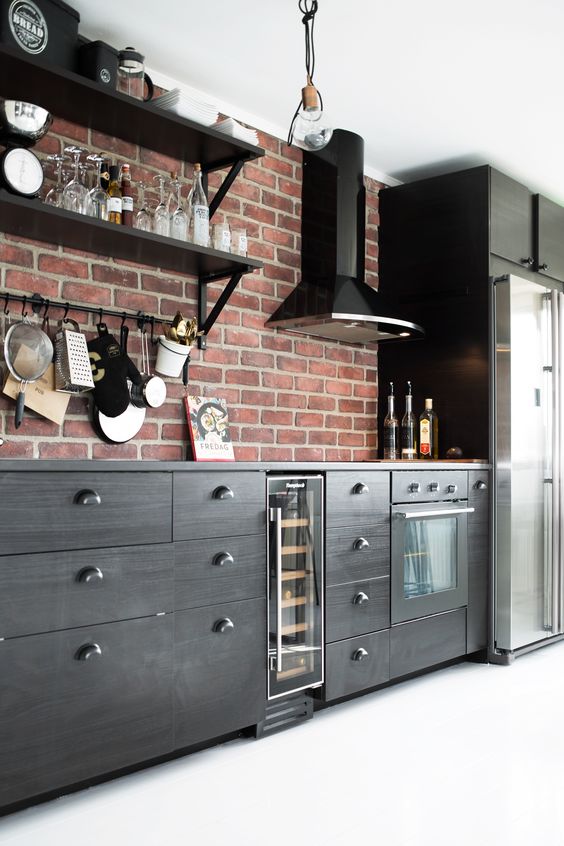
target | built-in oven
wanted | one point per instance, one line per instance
(429, 567)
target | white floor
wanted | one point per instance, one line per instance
(472, 754)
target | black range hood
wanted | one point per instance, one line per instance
(332, 300)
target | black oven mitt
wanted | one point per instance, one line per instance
(111, 367)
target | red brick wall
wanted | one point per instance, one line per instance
(290, 397)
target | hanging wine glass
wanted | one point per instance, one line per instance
(54, 196)
(97, 205)
(179, 218)
(85, 168)
(161, 217)
(143, 218)
(75, 194)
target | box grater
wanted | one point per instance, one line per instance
(73, 373)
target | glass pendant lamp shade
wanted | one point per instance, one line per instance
(309, 128)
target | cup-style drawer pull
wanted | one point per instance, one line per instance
(222, 558)
(89, 575)
(223, 626)
(88, 498)
(361, 488)
(481, 486)
(361, 599)
(360, 543)
(223, 492)
(359, 654)
(89, 650)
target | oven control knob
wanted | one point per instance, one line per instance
(452, 488)
(434, 486)
(414, 487)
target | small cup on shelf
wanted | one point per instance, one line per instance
(239, 242)
(221, 237)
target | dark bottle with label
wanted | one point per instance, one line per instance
(408, 428)
(391, 429)
(114, 196)
(428, 432)
(105, 174)
(126, 196)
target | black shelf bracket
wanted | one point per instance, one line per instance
(225, 186)
(206, 321)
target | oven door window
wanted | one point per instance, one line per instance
(430, 556)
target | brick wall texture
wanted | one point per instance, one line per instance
(291, 398)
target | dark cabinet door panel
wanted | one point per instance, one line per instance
(511, 220)
(61, 590)
(423, 643)
(79, 703)
(478, 560)
(356, 664)
(219, 570)
(550, 238)
(357, 608)
(40, 512)
(359, 553)
(358, 498)
(218, 505)
(219, 670)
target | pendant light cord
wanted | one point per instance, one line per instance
(308, 8)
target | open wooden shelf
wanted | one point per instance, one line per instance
(75, 98)
(289, 575)
(294, 550)
(294, 521)
(293, 602)
(34, 219)
(295, 627)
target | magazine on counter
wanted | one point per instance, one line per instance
(208, 422)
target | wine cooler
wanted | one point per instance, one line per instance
(295, 588)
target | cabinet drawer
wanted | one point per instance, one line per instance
(356, 664)
(63, 720)
(422, 643)
(357, 498)
(357, 608)
(40, 512)
(359, 553)
(219, 570)
(61, 590)
(219, 677)
(218, 505)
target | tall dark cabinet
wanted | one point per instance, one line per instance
(441, 240)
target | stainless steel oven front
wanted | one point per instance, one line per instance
(429, 515)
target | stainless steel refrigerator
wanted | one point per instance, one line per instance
(528, 346)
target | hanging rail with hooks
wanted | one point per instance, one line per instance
(41, 306)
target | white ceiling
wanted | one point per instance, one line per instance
(431, 86)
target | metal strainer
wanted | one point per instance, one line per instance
(28, 352)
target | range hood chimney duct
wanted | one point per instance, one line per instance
(332, 300)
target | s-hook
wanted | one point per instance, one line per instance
(153, 330)
(24, 301)
(67, 307)
(6, 301)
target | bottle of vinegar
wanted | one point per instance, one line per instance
(428, 432)
(199, 211)
(408, 428)
(391, 429)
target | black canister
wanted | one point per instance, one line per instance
(99, 61)
(46, 29)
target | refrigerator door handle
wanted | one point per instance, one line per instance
(554, 623)
(276, 518)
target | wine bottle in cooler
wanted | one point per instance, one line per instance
(391, 429)
(408, 428)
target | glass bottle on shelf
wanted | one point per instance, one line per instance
(199, 211)
(408, 428)
(126, 196)
(428, 432)
(114, 196)
(391, 429)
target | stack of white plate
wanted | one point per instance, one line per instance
(185, 106)
(231, 127)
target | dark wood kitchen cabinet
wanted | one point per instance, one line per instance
(442, 239)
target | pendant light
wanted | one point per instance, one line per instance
(309, 128)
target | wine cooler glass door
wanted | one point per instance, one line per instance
(295, 556)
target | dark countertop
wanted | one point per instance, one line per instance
(38, 465)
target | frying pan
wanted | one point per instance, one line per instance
(28, 352)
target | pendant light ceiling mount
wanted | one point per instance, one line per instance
(309, 129)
